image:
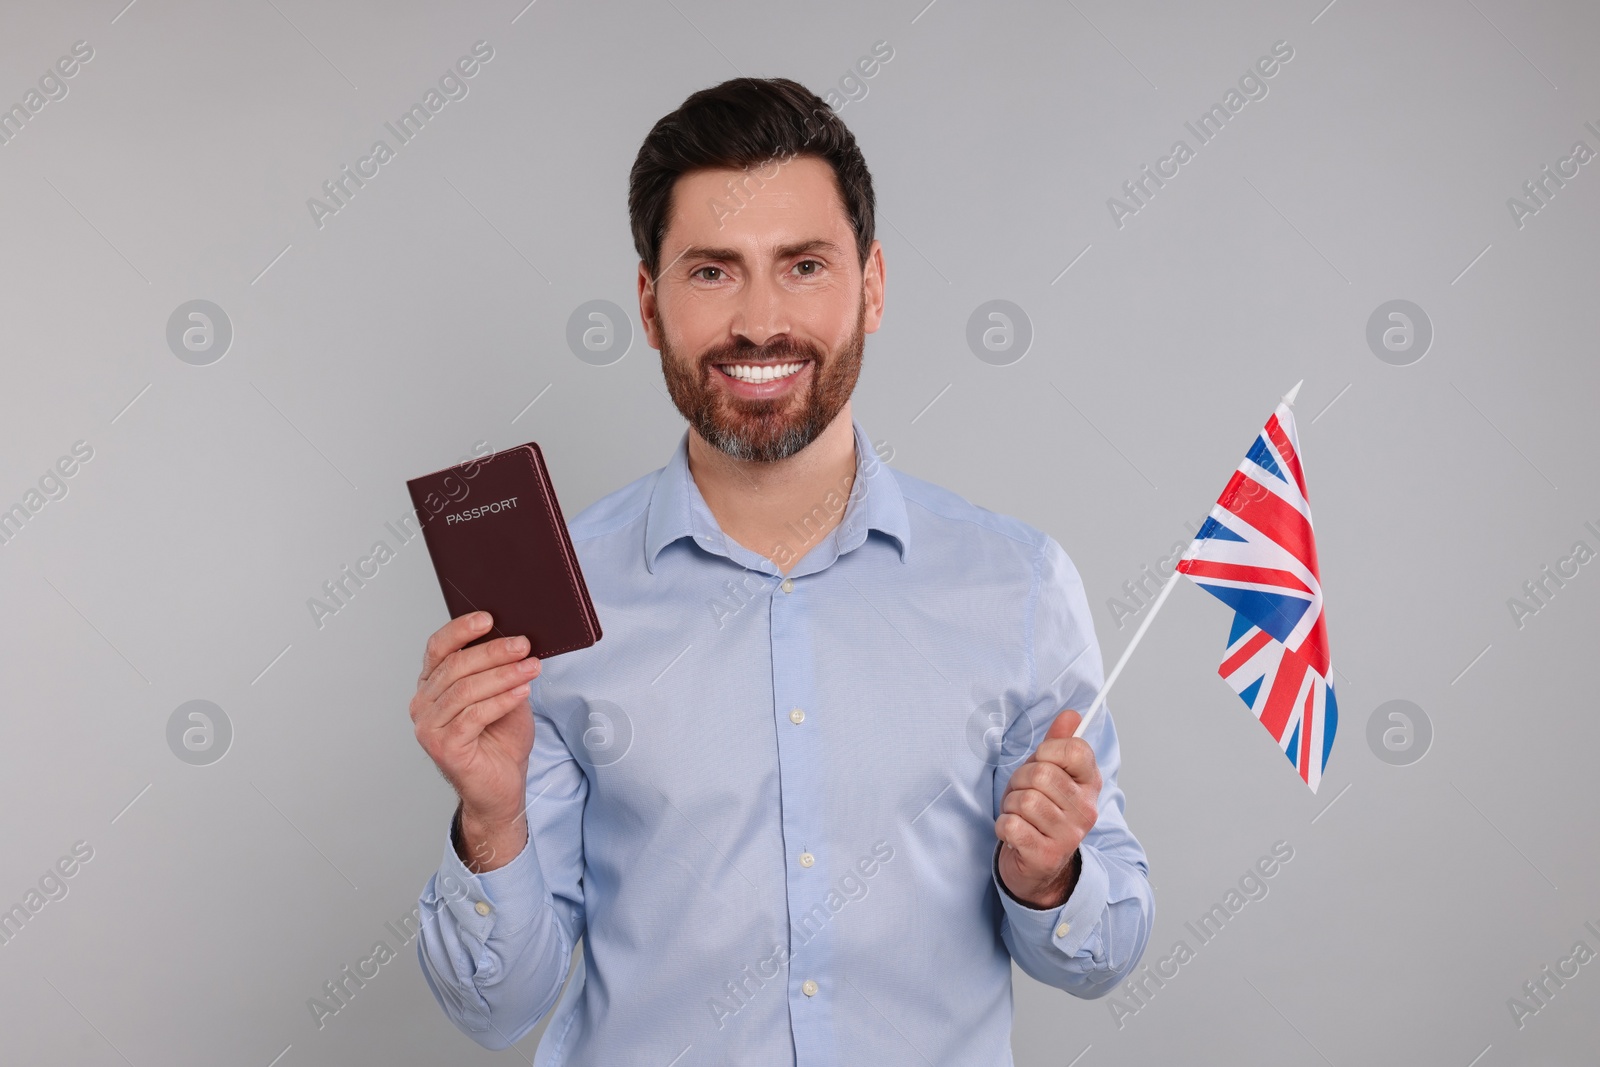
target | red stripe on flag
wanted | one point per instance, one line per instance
(1285, 687)
(1274, 517)
(1240, 658)
(1286, 450)
(1314, 649)
(1238, 572)
(1305, 734)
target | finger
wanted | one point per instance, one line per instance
(1039, 812)
(1064, 724)
(1072, 754)
(480, 715)
(1048, 779)
(472, 688)
(1061, 726)
(1079, 802)
(451, 636)
(1021, 835)
(1042, 845)
(469, 661)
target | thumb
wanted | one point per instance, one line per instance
(1064, 724)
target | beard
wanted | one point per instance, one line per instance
(767, 430)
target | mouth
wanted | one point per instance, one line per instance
(762, 373)
(763, 381)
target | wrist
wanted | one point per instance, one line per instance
(486, 843)
(1074, 869)
(1057, 893)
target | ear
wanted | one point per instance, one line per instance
(872, 288)
(649, 313)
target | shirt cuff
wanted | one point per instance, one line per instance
(504, 899)
(1069, 925)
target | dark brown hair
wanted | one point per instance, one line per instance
(743, 123)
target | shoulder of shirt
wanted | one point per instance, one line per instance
(617, 510)
(945, 507)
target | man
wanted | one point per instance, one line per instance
(815, 789)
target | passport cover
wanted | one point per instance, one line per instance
(494, 530)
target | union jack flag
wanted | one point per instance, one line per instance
(1256, 553)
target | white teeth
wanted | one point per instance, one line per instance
(757, 374)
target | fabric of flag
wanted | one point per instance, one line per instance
(1256, 553)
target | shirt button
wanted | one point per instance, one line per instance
(797, 716)
(809, 988)
(788, 585)
(1064, 929)
(481, 907)
(807, 859)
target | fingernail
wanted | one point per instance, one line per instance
(514, 644)
(480, 620)
(528, 666)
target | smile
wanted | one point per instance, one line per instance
(756, 373)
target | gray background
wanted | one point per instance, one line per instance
(431, 311)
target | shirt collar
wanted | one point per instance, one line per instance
(677, 510)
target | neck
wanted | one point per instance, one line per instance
(780, 509)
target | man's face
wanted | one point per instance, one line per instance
(761, 310)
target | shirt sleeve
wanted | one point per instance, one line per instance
(1093, 940)
(495, 947)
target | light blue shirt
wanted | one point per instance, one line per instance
(767, 806)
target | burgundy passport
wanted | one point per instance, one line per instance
(499, 544)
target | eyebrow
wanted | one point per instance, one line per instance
(733, 255)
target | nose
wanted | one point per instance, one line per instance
(760, 314)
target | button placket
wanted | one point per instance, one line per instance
(803, 806)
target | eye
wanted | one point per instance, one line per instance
(812, 262)
(697, 273)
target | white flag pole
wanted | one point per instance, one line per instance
(1161, 598)
(1122, 661)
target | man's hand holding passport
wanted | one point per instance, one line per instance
(515, 593)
